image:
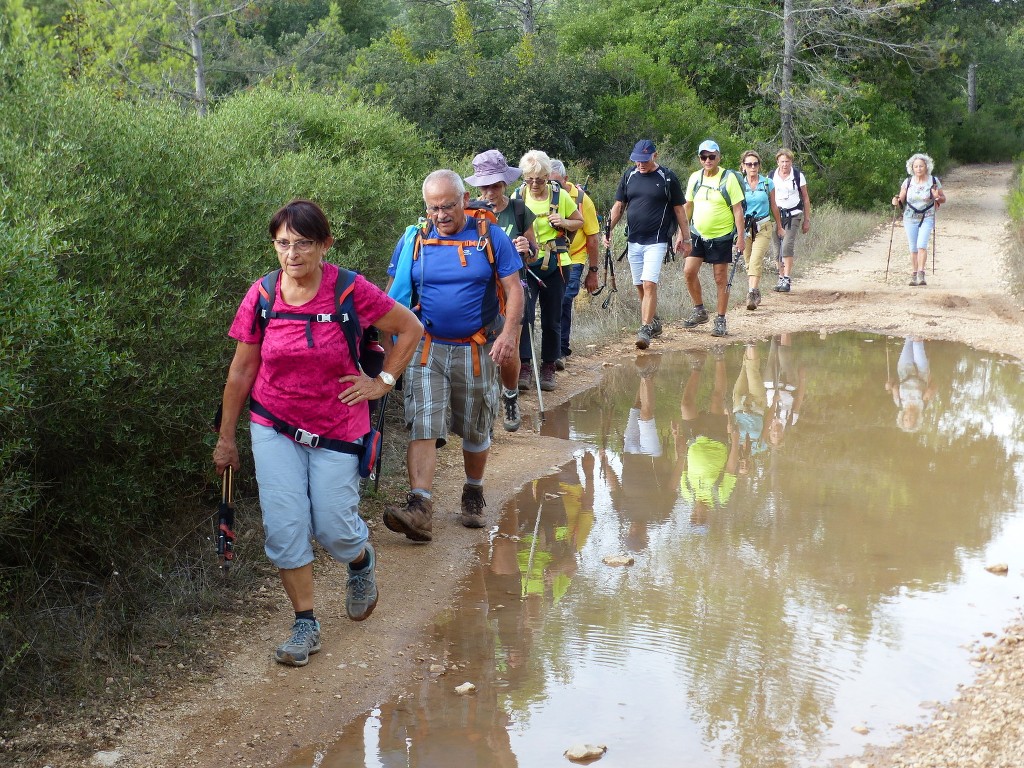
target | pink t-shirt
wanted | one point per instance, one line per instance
(298, 383)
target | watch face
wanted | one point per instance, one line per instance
(387, 378)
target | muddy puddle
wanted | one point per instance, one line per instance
(810, 522)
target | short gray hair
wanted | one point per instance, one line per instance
(446, 176)
(535, 163)
(920, 156)
(558, 168)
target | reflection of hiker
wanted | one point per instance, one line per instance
(749, 405)
(784, 382)
(707, 445)
(547, 546)
(913, 389)
(644, 491)
(295, 373)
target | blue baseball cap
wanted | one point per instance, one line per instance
(708, 146)
(643, 151)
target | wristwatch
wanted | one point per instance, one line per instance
(592, 268)
(387, 378)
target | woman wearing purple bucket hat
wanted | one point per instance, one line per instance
(491, 175)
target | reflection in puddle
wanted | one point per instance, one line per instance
(810, 520)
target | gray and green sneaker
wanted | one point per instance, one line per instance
(718, 329)
(696, 317)
(656, 327)
(361, 590)
(304, 641)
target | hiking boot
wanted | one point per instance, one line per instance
(513, 418)
(525, 376)
(647, 365)
(304, 641)
(361, 589)
(913, 279)
(920, 279)
(655, 327)
(753, 299)
(547, 377)
(560, 364)
(781, 286)
(643, 336)
(472, 506)
(412, 518)
(696, 317)
(718, 329)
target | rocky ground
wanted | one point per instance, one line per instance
(249, 711)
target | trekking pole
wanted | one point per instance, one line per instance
(892, 231)
(604, 281)
(610, 263)
(226, 521)
(533, 351)
(382, 406)
(935, 235)
(736, 256)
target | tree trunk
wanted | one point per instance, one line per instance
(972, 88)
(197, 56)
(788, 55)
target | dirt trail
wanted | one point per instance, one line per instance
(256, 711)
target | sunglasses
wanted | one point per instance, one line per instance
(752, 163)
(708, 156)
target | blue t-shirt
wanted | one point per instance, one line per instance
(757, 199)
(457, 299)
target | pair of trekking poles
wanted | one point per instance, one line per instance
(892, 231)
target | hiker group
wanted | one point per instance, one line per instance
(463, 283)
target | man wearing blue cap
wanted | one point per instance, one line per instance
(654, 199)
(714, 203)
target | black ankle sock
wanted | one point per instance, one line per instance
(305, 615)
(361, 564)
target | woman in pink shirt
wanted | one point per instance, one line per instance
(305, 384)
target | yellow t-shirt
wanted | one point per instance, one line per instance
(712, 217)
(542, 208)
(578, 246)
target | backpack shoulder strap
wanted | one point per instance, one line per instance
(519, 212)
(345, 312)
(266, 293)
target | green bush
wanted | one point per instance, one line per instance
(132, 231)
(985, 137)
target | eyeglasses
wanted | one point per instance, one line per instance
(533, 182)
(433, 210)
(300, 246)
(708, 156)
(752, 163)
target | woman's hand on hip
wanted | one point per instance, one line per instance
(362, 388)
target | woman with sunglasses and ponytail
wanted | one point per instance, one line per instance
(762, 211)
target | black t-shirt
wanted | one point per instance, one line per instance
(650, 199)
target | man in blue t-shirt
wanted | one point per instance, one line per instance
(456, 275)
(653, 200)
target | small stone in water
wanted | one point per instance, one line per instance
(583, 752)
(618, 560)
(465, 688)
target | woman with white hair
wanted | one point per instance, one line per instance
(921, 194)
(556, 219)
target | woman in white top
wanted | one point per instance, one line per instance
(794, 207)
(921, 194)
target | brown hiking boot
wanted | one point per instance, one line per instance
(525, 376)
(547, 377)
(472, 506)
(412, 518)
